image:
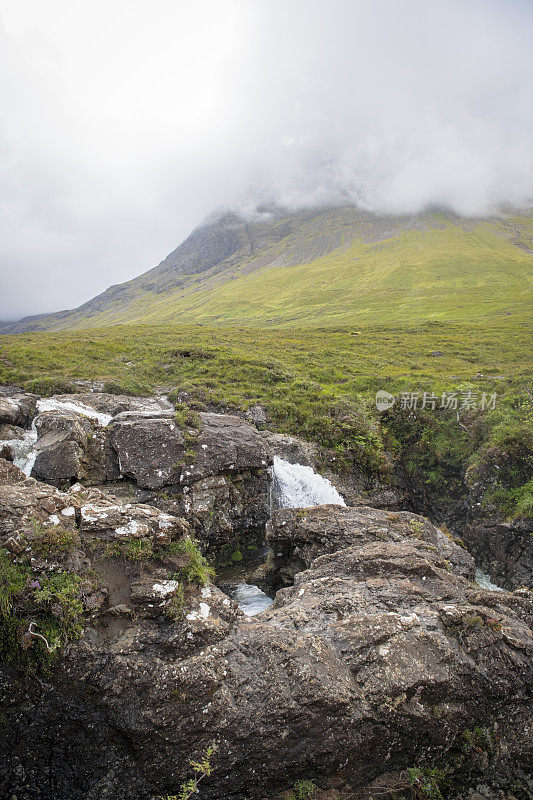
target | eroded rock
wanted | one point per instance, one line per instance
(377, 658)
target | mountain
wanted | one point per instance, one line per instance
(330, 266)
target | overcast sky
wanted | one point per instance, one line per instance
(124, 122)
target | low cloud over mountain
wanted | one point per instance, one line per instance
(122, 125)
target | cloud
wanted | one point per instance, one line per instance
(122, 125)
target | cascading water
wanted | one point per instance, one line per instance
(296, 486)
(293, 486)
(483, 580)
(250, 599)
(24, 449)
(53, 404)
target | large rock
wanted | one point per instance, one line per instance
(297, 536)
(377, 659)
(19, 409)
(217, 474)
(149, 450)
(61, 444)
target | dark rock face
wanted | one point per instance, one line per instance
(298, 536)
(148, 450)
(378, 657)
(215, 473)
(19, 409)
(502, 548)
(62, 442)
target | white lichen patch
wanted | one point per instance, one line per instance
(68, 512)
(202, 613)
(132, 528)
(164, 588)
(54, 519)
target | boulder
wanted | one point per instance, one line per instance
(19, 409)
(297, 536)
(61, 444)
(225, 443)
(149, 450)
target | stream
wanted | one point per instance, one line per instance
(293, 486)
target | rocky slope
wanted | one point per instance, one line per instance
(323, 266)
(379, 655)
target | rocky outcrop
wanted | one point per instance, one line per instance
(18, 409)
(297, 536)
(211, 467)
(377, 658)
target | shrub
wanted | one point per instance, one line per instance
(38, 613)
(51, 541)
(46, 386)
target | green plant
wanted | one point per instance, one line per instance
(175, 604)
(201, 769)
(305, 790)
(38, 613)
(132, 548)
(52, 541)
(196, 568)
(426, 783)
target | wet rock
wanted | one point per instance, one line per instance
(297, 536)
(226, 444)
(377, 658)
(61, 444)
(19, 409)
(502, 548)
(113, 404)
(148, 450)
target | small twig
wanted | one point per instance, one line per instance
(461, 424)
(33, 633)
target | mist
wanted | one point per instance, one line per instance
(123, 124)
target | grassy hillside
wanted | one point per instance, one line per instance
(319, 384)
(448, 274)
(328, 267)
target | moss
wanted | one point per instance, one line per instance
(51, 541)
(39, 613)
(132, 548)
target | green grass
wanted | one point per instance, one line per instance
(338, 267)
(317, 383)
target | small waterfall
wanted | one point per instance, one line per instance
(23, 449)
(53, 404)
(483, 580)
(250, 599)
(296, 486)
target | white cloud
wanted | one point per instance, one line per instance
(122, 124)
